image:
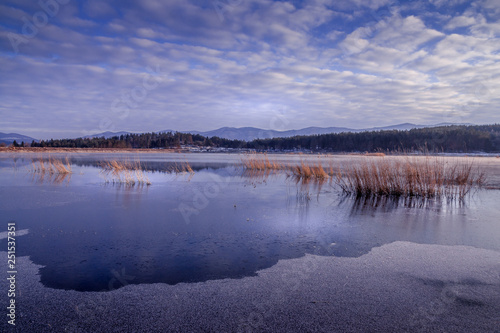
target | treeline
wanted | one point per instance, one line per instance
(144, 140)
(485, 138)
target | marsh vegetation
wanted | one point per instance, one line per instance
(127, 173)
(50, 169)
(411, 177)
(50, 166)
(378, 175)
(362, 176)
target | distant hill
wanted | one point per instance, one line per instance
(241, 133)
(449, 139)
(252, 133)
(106, 135)
(8, 138)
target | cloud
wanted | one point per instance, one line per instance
(326, 63)
(460, 21)
(404, 33)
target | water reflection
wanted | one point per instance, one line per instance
(50, 178)
(371, 204)
(156, 166)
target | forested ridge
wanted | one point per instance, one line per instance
(436, 139)
(143, 140)
(475, 138)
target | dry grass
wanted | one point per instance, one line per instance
(260, 166)
(305, 171)
(50, 166)
(132, 173)
(425, 177)
(428, 177)
(374, 154)
(52, 170)
(182, 168)
(260, 162)
(57, 179)
(127, 173)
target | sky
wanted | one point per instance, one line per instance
(72, 68)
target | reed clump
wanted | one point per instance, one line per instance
(50, 166)
(303, 171)
(181, 168)
(426, 177)
(378, 175)
(260, 162)
(126, 173)
(310, 172)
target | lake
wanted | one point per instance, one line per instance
(89, 234)
(216, 223)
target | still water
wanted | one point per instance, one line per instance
(220, 222)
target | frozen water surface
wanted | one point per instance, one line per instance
(218, 223)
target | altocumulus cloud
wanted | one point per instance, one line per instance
(70, 68)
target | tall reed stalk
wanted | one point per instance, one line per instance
(50, 166)
(430, 177)
(126, 173)
(260, 162)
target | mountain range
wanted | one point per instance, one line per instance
(8, 138)
(242, 133)
(252, 133)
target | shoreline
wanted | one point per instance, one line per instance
(49, 150)
(87, 150)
